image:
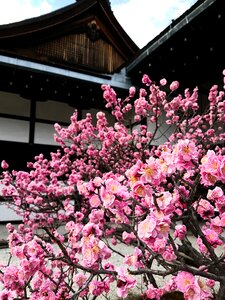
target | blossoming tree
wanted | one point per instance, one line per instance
(116, 185)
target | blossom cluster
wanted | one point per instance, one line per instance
(112, 185)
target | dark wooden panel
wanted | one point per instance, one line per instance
(18, 154)
(78, 49)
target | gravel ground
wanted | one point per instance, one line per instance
(116, 259)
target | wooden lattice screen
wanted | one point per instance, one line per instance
(78, 49)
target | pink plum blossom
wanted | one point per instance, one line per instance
(125, 182)
(180, 231)
(174, 85)
(125, 282)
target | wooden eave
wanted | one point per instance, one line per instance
(69, 19)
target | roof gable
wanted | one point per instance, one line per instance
(84, 35)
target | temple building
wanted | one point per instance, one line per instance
(55, 63)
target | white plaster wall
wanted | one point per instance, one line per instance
(14, 104)
(54, 111)
(7, 214)
(14, 130)
(44, 134)
(11, 129)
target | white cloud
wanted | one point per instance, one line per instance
(141, 19)
(17, 10)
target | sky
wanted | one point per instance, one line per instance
(141, 19)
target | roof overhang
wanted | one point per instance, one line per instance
(117, 80)
(189, 50)
(177, 25)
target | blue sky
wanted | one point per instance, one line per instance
(141, 19)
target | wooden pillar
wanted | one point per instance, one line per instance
(32, 120)
(79, 114)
